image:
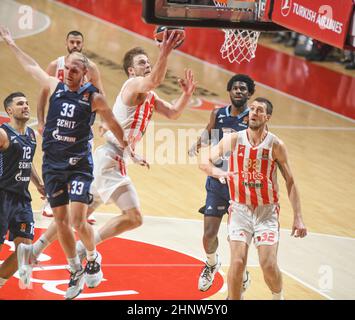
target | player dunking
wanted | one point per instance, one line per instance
(74, 43)
(134, 107)
(17, 148)
(67, 161)
(254, 210)
(233, 117)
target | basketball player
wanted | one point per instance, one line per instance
(134, 107)
(74, 43)
(233, 117)
(17, 148)
(67, 161)
(255, 155)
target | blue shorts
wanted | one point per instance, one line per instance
(217, 199)
(62, 186)
(16, 216)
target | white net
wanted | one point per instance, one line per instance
(239, 44)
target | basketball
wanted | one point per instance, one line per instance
(159, 33)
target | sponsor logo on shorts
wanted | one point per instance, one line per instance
(23, 227)
(58, 193)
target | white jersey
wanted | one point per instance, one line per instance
(109, 164)
(133, 119)
(59, 73)
(256, 181)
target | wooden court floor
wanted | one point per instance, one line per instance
(320, 145)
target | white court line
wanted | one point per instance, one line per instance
(224, 265)
(137, 35)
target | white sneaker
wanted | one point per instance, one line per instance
(47, 210)
(76, 284)
(25, 262)
(207, 275)
(91, 219)
(93, 272)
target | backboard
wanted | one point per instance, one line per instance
(329, 21)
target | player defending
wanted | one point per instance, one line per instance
(74, 43)
(67, 161)
(134, 107)
(17, 148)
(233, 117)
(255, 155)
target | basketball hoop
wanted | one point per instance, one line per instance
(239, 44)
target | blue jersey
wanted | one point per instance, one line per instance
(225, 123)
(68, 126)
(16, 161)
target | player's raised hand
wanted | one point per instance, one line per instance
(188, 84)
(170, 41)
(6, 35)
(298, 228)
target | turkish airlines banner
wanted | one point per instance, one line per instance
(324, 20)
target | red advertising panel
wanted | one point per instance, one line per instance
(324, 20)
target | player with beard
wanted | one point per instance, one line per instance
(230, 118)
(74, 43)
(254, 155)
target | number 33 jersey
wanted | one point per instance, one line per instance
(67, 134)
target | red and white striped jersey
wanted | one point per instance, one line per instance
(133, 119)
(256, 181)
(59, 73)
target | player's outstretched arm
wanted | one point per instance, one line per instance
(281, 157)
(156, 77)
(28, 63)
(225, 145)
(43, 98)
(174, 111)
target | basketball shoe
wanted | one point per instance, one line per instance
(76, 284)
(206, 278)
(93, 272)
(26, 260)
(47, 210)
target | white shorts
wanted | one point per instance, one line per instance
(110, 177)
(125, 197)
(261, 223)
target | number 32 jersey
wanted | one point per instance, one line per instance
(68, 126)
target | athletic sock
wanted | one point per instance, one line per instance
(91, 255)
(211, 259)
(278, 296)
(74, 264)
(39, 246)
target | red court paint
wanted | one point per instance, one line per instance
(308, 81)
(148, 271)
